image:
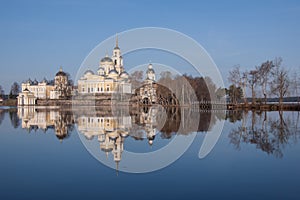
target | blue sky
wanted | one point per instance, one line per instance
(37, 37)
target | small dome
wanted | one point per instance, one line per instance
(117, 48)
(45, 81)
(151, 139)
(35, 82)
(101, 138)
(113, 71)
(61, 136)
(124, 75)
(89, 72)
(150, 142)
(109, 149)
(124, 135)
(29, 81)
(150, 70)
(106, 59)
(61, 73)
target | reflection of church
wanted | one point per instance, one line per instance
(146, 122)
(111, 131)
(46, 119)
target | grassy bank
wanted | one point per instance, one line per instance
(9, 102)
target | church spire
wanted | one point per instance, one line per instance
(117, 41)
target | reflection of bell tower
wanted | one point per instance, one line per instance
(118, 149)
(148, 119)
(117, 58)
(150, 135)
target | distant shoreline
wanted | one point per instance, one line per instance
(68, 104)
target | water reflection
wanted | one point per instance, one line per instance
(270, 132)
(2, 112)
(60, 120)
(111, 127)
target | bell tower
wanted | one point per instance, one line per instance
(117, 57)
(150, 73)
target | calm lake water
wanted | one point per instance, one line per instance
(56, 153)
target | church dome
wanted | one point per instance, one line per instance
(45, 81)
(108, 149)
(29, 81)
(124, 75)
(101, 71)
(61, 136)
(106, 59)
(61, 73)
(124, 134)
(113, 71)
(89, 72)
(151, 139)
(150, 69)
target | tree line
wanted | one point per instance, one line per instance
(186, 88)
(14, 91)
(270, 79)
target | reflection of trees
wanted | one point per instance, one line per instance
(270, 135)
(64, 125)
(234, 115)
(14, 119)
(2, 113)
(174, 120)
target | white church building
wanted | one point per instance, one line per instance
(109, 78)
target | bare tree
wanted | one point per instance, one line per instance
(136, 79)
(264, 72)
(235, 75)
(15, 89)
(239, 79)
(235, 93)
(220, 93)
(280, 83)
(253, 81)
(1, 91)
(294, 84)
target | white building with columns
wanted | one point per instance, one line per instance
(109, 78)
(33, 90)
